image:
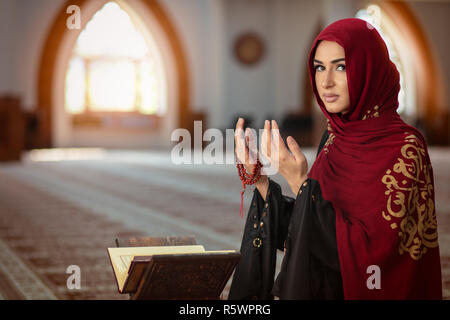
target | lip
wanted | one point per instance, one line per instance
(330, 97)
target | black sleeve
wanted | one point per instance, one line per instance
(310, 268)
(305, 227)
(265, 231)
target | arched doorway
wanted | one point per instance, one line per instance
(56, 122)
(422, 98)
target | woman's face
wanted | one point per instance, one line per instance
(331, 77)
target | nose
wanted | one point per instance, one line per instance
(328, 79)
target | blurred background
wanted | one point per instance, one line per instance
(91, 91)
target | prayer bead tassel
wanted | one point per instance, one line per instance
(247, 178)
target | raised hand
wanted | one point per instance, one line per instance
(245, 147)
(246, 153)
(290, 160)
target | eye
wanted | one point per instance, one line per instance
(341, 67)
(318, 66)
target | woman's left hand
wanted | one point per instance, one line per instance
(292, 165)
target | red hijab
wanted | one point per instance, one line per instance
(376, 172)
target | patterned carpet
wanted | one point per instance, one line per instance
(62, 209)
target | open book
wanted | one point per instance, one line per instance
(172, 272)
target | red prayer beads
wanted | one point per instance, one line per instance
(247, 178)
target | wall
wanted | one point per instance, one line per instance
(23, 30)
(434, 18)
(7, 13)
(219, 86)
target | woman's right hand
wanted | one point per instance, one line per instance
(242, 141)
(247, 154)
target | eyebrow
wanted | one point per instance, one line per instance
(333, 61)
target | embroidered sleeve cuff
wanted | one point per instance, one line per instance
(305, 187)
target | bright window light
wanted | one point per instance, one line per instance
(112, 67)
(374, 15)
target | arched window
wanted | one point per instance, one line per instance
(113, 69)
(398, 53)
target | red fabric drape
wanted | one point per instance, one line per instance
(376, 171)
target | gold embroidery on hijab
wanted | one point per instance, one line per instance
(330, 139)
(372, 113)
(410, 205)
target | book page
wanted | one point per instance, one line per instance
(126, 262)
(121, 257)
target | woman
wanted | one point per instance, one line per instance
(363, 224)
